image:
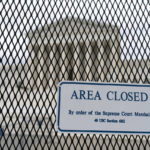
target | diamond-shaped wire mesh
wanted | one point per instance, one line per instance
(45, 42)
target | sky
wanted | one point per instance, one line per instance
(17, 17)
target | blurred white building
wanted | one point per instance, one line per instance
(74, 49)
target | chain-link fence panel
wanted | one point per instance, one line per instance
(45, 42)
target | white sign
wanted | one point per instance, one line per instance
(103, 108)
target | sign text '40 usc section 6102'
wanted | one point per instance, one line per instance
(88, 107)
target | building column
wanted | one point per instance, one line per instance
(55, 65)
(116, 60)
(107, 61)
(94, 62)
(41, 67)
(67, 62)
(80, 65)
(45, 66)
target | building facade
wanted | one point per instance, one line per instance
(74, 49)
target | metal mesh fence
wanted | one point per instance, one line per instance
(45, 42)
